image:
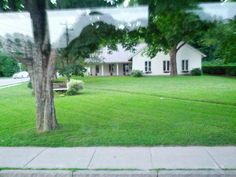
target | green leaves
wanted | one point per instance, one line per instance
(170, 22)
(12, 5)
(8, 66)
(167, 31)
(223, 37)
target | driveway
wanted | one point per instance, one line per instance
(9, 81)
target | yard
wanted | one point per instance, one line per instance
(128, 111)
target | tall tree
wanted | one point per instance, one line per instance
(171, 25)
(41, 63)
(223, 37)
(43, 66)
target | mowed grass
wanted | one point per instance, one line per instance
(128, 111)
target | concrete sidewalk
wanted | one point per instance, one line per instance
(119, 158)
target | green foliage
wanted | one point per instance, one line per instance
(11, 5)
(29, 85)
(137, 73)
(8, 66)
(72, 68)
(91, 39)
(220, 70)
(74, 86)
(217, 62)
(72, 92)
(167, 31)
(196, 72)
(223, 36)
(170, 22)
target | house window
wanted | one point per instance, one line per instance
(148, 66)
(97, 69)
(185, 64)
(166, 66)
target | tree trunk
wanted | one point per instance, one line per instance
(43, 67)
(173, 64)
(42, 79)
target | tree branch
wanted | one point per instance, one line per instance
(24, 60)
(52, 63)
(181, 45)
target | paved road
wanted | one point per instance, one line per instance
(9, 81)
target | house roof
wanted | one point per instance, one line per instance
(121, 55)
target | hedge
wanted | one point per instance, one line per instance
(220, 70)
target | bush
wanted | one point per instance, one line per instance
(137, 73)
(220, 70)
(8, 66)
(29, 85)
(74, 86)
(196, 72)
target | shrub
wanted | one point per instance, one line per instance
(29, 85)
(8, 66)
(220, 70)
(196, 72)
(74, 86)
(137, 73)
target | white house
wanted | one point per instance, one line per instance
(122, 62)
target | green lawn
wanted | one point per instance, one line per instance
(128, 111)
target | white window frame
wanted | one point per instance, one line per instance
(185, 65)
(148, 66)
(166, 66)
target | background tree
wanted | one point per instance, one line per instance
(171, 25)
(222, 37)
(20, 48)
(8, 66)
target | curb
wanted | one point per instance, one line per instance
(120, 173)
(197, 173)
(35, 173)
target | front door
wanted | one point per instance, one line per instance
(125, 69)
(111, 69)
(97, 70)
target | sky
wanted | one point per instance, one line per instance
(226, 10)
(131, 17)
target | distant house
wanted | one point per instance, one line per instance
(122, 62)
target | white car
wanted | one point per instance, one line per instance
(20, 75)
